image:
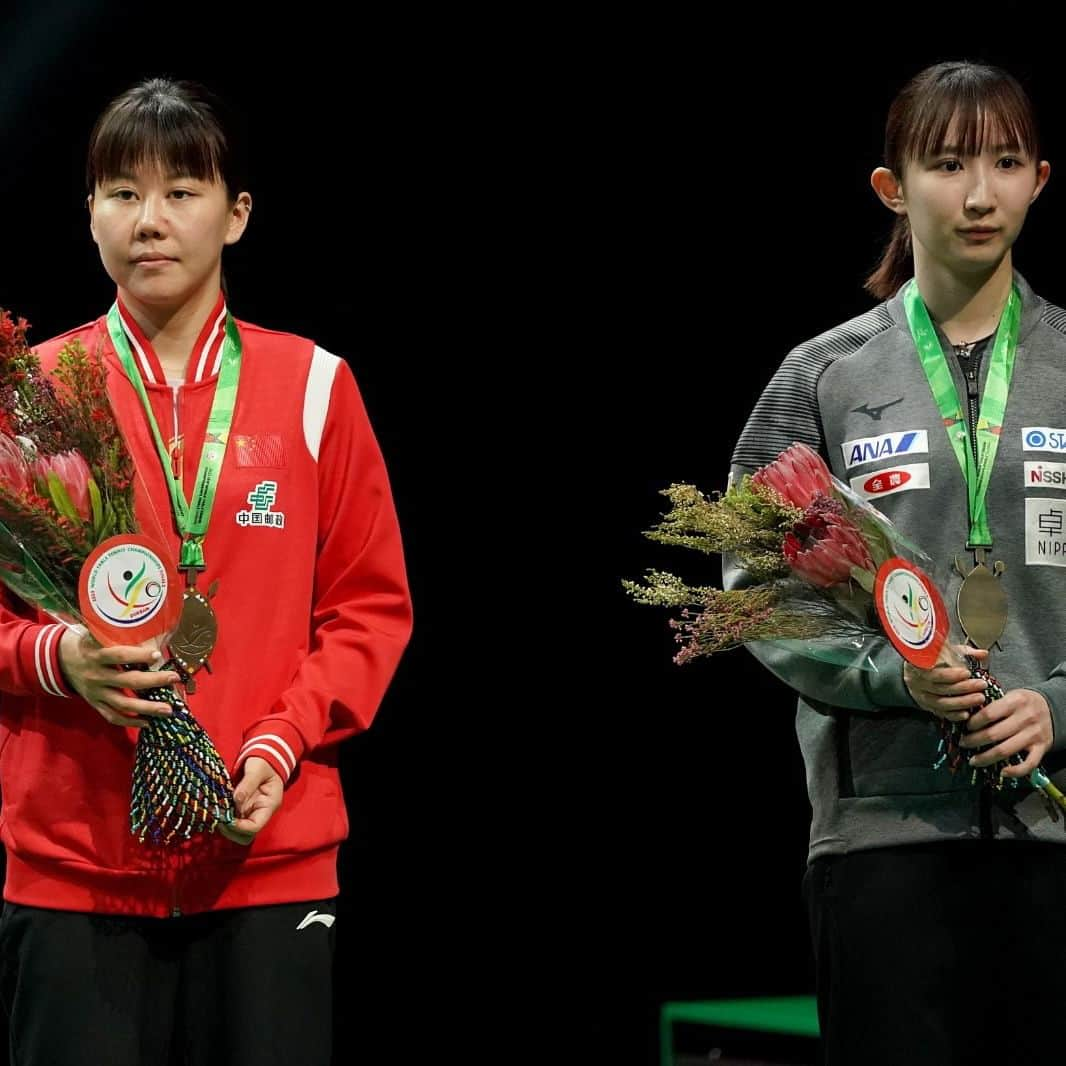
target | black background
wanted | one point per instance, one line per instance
(562, 256)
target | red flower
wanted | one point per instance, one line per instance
(73, 474)
(797, 475)
(824, 545)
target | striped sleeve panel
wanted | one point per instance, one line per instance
(1055, 317)
(787, 411)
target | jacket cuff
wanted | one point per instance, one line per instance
(278, 742)
(885, 686)
(39, 651)
(1054, 691)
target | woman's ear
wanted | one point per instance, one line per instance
(90, 204)
(240, 209)
(889, 190)
(1043, 172)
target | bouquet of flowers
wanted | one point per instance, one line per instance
(67, 530)
(830, 577)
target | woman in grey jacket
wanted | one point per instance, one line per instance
(923, 886)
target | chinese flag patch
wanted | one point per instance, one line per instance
(264, 449)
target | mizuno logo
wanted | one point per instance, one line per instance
(324, 919)
(875, 412)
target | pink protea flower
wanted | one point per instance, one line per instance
(824, 545)
(14, 473)
(797, 475)
(73, 474)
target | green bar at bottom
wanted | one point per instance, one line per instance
(795, 1015)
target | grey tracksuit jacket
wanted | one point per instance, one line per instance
(857, 394)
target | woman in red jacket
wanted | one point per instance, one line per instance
(106, 941)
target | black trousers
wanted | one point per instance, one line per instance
(251, 985)
(945, 955)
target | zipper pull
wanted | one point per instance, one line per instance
(175, 458)
(971, 378)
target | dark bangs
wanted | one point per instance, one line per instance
(164, 124)
(979, 106)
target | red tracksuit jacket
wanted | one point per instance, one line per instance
(314, 614)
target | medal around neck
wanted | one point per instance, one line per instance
(198, 630)
(196, 634)
(982, 603)
(213, 803)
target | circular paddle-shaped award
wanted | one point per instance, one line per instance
(129, 591)
(911, 610)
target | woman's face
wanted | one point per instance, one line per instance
(161, 235)
(965, 212)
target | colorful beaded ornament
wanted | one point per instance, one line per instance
(180, 782)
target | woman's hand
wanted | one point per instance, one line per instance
(258, 795)
(947, 691)
(1019, 722)
(95, 673)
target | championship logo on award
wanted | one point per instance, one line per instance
(911, 610)
(126, 591)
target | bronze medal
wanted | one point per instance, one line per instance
(197, 633)
(982, 602)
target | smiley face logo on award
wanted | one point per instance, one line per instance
(911, 610)
(126, 591)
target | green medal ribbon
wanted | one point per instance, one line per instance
(977, 470)
(192, 517)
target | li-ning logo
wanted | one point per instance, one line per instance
(260, 499)
(323, 919)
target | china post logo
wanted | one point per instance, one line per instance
(261, 501)
(1043, 439)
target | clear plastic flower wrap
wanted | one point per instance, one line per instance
(826, 576)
